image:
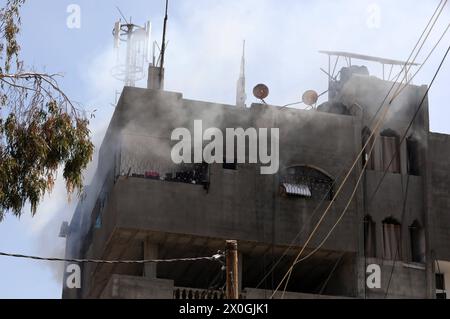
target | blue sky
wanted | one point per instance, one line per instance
(203, 57)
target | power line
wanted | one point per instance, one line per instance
(330, 275)
(386, 170)
(296, 261)
(412, 53)
(401, 141)
(368, 140)
(426, 59)
(377, 127)
(397, 93)
(217, 258)
(395, 153)
(423, 43)
(303, 229)
(288, 274)
(398, 249)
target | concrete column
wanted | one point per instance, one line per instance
(403, 158)
(150, 252)
(359, 270)
(155, 78)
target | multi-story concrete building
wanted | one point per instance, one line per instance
(143, 206)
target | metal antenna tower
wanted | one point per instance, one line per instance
(241, 96)
(132, 59)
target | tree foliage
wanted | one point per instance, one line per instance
(40, 128)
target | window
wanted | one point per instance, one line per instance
(441, 293)
(390, 151)
(230, 165)
(369, 237)
(417, 240)
(306, 181)
(412, 147)
(392, 239)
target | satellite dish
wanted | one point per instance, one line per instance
(261, 91)
(310, 97)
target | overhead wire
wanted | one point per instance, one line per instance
(98, 261)
(398, 249)
(302, 230)
(288, 274)
(403, 138)
(423, 43)
(438, 11)
(392, 158)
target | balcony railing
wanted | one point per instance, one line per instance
(181, 293)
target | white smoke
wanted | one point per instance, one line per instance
(282, 42)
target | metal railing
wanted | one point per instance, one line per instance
(181, 293)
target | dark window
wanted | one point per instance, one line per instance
(230, 166)
(196, 174)
(390, 151)
(440, 282)
(369, 237)
(392, 239)
(412, 147)
(306, 181)
(417, 239)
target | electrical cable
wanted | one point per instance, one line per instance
(351, 169)
(96, 261)
(404, 136)
(426, 59)
(398, 239)
(410, 56)
(296, 261)
(303, 229)
(423, 43)
(396, 152)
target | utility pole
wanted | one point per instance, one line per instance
(231, 257)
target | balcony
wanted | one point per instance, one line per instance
(129, 287)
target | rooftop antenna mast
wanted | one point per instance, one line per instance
(130, 65)
(163, 44)
(156, 68)
(241, 96)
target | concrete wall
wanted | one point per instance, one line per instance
(129, 287)
(399, 280)
(398, 198)
(439, 157)
(187, 209)
(265, 294)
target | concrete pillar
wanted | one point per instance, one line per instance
(359, 269)
(155, 78)
(150, 252)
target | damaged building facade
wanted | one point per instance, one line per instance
(142, 206)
